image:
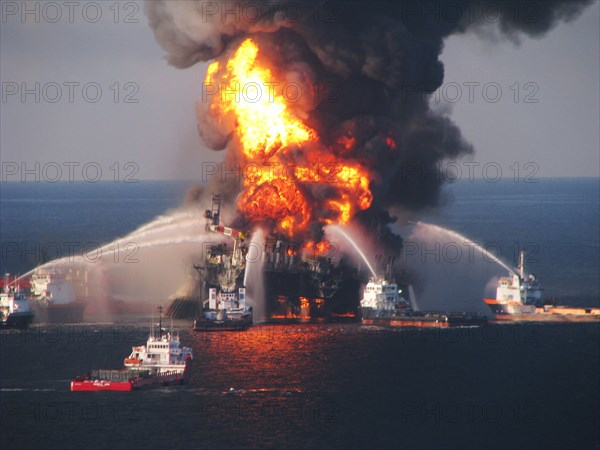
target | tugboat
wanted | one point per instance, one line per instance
(225, 311)
(226, 308)
(161, 362)
(383, 305)
(14, 306)
(519, 298)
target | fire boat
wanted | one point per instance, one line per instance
(226, 308)
(14, 306)
(161, 362)
(519, 298)
(383, 305)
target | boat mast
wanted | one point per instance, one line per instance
(522, 265)
(160, 311)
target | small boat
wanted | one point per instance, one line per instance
(14, 306)
(161, 362)
(519, 297)
(383, 305)
(225, 311)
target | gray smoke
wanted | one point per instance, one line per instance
(373, 65)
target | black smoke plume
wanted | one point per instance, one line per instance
(373, 63)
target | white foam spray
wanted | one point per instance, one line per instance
(147, 265)
(412, 298)
(342, 232)
(464, 240)
(450, 271)
(254, 277)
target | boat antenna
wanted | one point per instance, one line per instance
(160, 311)
(522, 265)
(152, 324)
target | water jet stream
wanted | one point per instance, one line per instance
(254, 275)
(338, 229)
(121, 245)
(458, 236)
(412, 298)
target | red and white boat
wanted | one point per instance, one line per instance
(161, 362)
(519, 298)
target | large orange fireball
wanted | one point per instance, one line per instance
(280, 188)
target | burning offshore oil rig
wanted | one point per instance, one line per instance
(294, 184)
(300, 283)
(328, 122)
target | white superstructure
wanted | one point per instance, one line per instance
(226, 305)
(519, 288)
(162, 353)
(381, 294)
(13, 306)
(52, 288)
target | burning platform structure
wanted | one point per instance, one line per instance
(300, 282)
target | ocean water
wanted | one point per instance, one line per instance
(317, 385)
(555, 221)
(311, 386)
(43, 221)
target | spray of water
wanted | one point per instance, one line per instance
(110, 249)
(180, 225)
(412, 298)
(459, 237)
(254, 275)
(449, 271)
(343, 233)
(165, 229)
(148, 264)
(174, 217)
(175, 220)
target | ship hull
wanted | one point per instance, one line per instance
(546, 318)
(160, 380)
(130, 379)
(406, 323)
(518, 312)
(67, 313)
(507, 308)
(201, 325)
(18, 320)
(420, 319)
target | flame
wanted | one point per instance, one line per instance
(270, 135)
(264, 122)
(318, 248)
(347, 141)
(391, 143)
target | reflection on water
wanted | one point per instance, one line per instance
(310, 385)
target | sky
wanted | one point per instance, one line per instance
(89, 94)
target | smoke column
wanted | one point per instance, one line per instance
(365, 71)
